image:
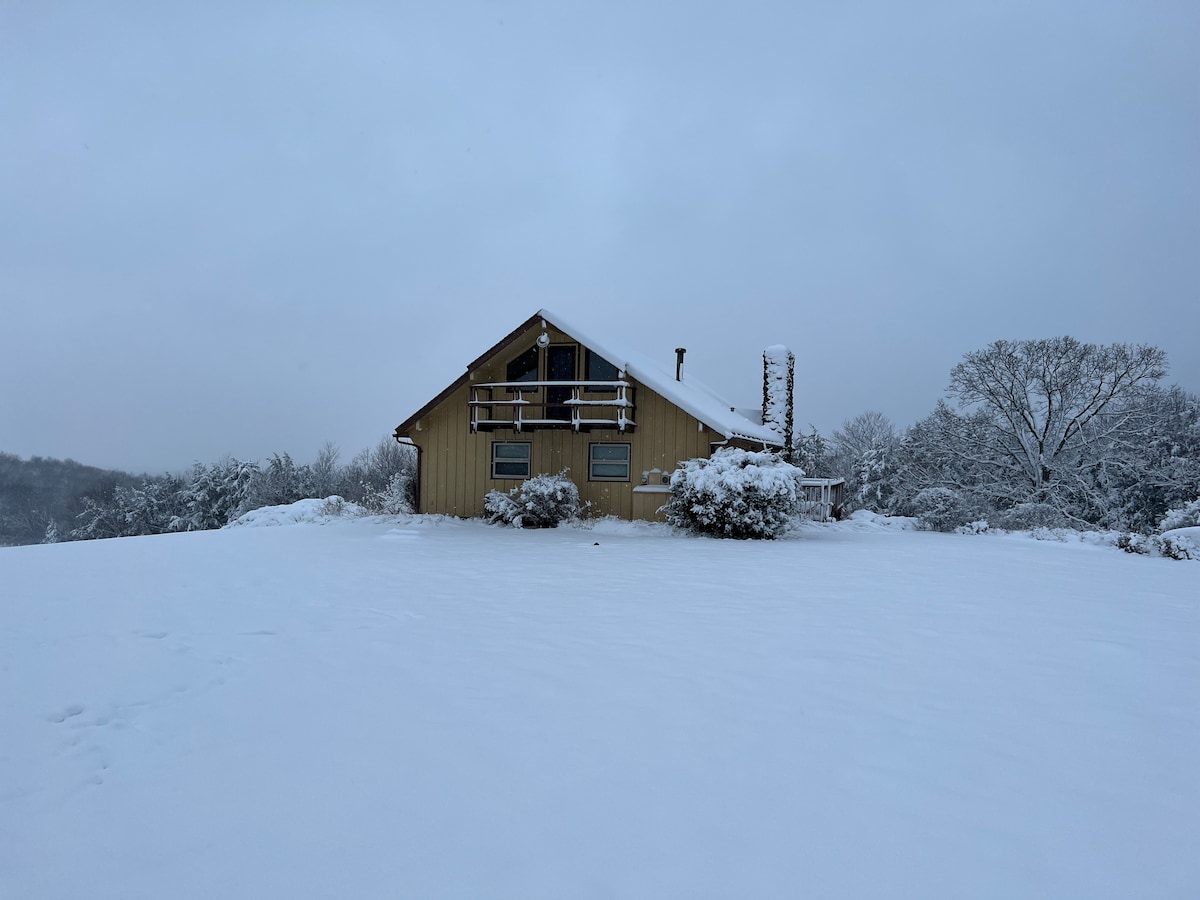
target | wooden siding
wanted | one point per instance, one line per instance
(456, 463)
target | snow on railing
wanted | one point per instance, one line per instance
(822, 496)
(571, 408)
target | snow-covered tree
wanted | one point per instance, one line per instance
(1056, 433)
(216, 495)
(865, 432)
(1157, 471)
(943, 509)
(150, 508)
(279, 482)
(863, 452)
(326, 472)
(371, 474)
(99, 519)
(1043, 403)
(811, 452)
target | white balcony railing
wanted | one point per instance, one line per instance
(579, 405)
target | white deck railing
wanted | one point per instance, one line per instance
(522, 411)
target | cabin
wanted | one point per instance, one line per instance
(550, 396)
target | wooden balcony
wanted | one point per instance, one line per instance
(529, 405)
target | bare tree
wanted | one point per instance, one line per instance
(326, 473)
(1040, 401)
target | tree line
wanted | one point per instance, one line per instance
(47, 500)
(1051, 433)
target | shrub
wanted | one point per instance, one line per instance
(980, 526)
(1178, 547)
(396, 498)
(539, 502)
(941, 509)
(1134, 543)
(1172, 546)
(735, 494)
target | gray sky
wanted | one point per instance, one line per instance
(245, 228)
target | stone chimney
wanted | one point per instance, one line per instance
(779, 368)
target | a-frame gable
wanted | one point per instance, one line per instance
(499, 347)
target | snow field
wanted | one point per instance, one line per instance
(443, 709)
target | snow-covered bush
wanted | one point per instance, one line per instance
(735, 494)
(370, 476)
(336, 506)
(538, 502)
(1178, 547)
(1181, 517)
(1134, 543)
(979, 526)
(941, 509)
(1171, 546)
(396, 497)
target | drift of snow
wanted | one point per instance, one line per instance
(302, 512)
(1191, 533)
(438, 708)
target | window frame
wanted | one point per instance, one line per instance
(528, 445)
(628, 461)
(530, 374)
(588, 356)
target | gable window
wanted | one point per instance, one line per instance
(524, 367)
(510, 460)
(600, 369)
(608, 462)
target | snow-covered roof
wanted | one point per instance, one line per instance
(689, 394)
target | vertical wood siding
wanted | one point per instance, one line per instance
(456, 464)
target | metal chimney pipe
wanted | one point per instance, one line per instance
(679, 351)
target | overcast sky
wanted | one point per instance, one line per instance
(253, 227)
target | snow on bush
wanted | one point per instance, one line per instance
(1172, 546)
(942, 509)
(538, 502)
(1181, 517)
(395, 498)
(735, 494)
(980, 526)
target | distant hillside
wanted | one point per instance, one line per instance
(38, 492)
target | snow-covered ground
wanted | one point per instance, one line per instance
(435, 708)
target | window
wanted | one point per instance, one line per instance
(510, 460)
(608, 462)
(524, 367)
(600, 369)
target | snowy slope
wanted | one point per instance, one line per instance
(443, 709)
